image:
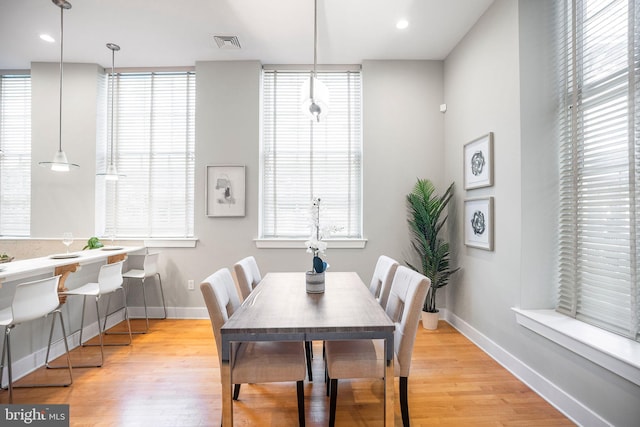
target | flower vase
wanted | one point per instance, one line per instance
(315, 282)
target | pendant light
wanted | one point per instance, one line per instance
(112, 172)
(60, 162)
(316, 104)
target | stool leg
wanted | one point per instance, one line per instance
(144, 301)
(164, 304)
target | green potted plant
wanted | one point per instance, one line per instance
(426, 220)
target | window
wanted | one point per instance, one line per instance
(15, 158)
(154, 147)
(301, 160)
(600, 165)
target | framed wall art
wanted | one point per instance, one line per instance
(478, 223)
(225, 191)
(478, 162)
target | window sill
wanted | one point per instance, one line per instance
(618, 354)
(171, 243)
(299, 243)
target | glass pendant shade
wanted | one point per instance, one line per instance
(59, 162)
(315, 103)
(112, 173)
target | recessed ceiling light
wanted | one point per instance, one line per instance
(47, 38)
(402, 24)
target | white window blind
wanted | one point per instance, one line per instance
(154, 147)
(301, 160)
(600, 164)
(15, 159)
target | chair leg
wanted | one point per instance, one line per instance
(307, 351)
(66, 348)
(332, 402)
(404, 404)
(236, 391)
(7, 346)
(144, 301)
(164, 304)
(300, 392)
(109, 314)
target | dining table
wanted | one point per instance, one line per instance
(280, 309)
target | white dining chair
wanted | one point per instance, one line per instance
(109, 282)
(248, 277)
(31, 301)
(253, 362)
(380, 285)
(247, 274)
(366, 358)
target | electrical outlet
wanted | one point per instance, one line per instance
(190, 285)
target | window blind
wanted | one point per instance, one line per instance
(301, 160)
(15, 159)
(154, 147)
(600, 164)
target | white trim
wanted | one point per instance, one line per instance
(557, 397)
(300, 243)
(186, 242)
(611, 351)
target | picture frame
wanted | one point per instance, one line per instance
(225, 191)
(479, 223)
(478, 162)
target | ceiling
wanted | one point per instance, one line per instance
(162, 33)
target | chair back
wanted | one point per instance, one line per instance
(222, 300)
(150, 266)
(382, 278)
(110, 277)
(248, 275)
(35, 299)
(408, 291)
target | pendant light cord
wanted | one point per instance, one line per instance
(61, 56)
(113, 76)
(315, 47)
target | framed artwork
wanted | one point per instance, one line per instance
(478, 162)
(225, 191)
(478, 223)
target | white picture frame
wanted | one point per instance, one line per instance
(479, 223)
(478, 162)
(225, 191)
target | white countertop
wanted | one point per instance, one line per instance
(16, 270)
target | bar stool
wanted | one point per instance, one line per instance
(142, 267)
(32, 300)
(109, 281)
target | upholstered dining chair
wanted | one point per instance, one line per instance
(254, 362)
(32, 300)
(365, 358)
(248, 276)
(382, 277)
(109, 281)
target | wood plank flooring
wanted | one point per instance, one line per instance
(170, 377)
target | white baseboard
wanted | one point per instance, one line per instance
(565, 403)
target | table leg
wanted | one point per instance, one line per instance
(389, 394)
(227, 401)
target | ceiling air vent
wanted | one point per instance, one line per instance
(227, 42)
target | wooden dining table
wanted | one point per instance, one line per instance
(280, 309)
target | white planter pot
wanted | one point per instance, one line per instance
(430, 320)
(315, 282)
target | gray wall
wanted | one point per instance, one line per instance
(500, 78)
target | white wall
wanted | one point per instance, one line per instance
(500, 78)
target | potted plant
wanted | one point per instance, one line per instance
(425, 209)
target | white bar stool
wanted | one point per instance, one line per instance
(142, 267)
(32, 300)
(109, 281)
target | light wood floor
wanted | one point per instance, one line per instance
(170, 377)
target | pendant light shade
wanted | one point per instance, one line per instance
(60, 162)
(315, 95)
(112, 172)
